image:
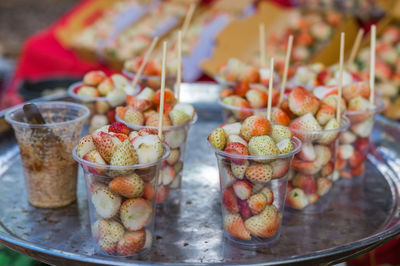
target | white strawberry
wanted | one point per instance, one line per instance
(87, 91)
(238, 170)
(134, 117)
(133, 135)
(297, 199)
(85, 145)
(285, 146)
(232, 128)
(102, 129)
(234, 226)
(347, 137)
(259, 173)
(136, 213)
(345, 151)
(265, 224)
(279, 168)
(307, 152)
(328, 137)
(181, 114)
(305, 123)
(116, 97)
(175, 138)
(149, 239)
(359, 104)
(106, 144)
(146, 94)
(363, 129)
(101, 107)
(105, 87)
(236, 138)
(262, 145)
(97, 121)
(120, 82)
(124, 155)
(148, 148)
(106, 202)
(279, 132)
(173, 157)
(323, 154)
(107, 233)
(167, 174)
(94, 157)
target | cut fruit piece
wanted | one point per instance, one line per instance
(136, 213)
(106, 202)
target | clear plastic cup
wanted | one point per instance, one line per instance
(252, 210)
(102, 109)
(121, 219)
(152, 81)
(355, 143)
(49, 169)
(232, 114)
(313, 168)
(175, 137)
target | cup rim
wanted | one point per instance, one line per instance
(81, 161)
(72, 87)
(221, 81)
(344, 124)
(85, 115)
(378, 106)
(164, 128)
(132, 75)
(295, 141)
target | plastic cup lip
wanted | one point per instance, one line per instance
(377, 108)
(344, 124)
(295, 141)
(72, 93)
(164, 128)
(82, 162)
(83, 116)
(132, 75)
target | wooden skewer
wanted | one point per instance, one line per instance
(161, 112)
(339, 100)
(188, 18)
(286, 69)
(144, 63)
(372, 66)
(271, 81)
(179, 70)
(262, 44)
(356, 46)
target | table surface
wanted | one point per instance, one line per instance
(357, 217)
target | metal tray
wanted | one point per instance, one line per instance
(359, 218)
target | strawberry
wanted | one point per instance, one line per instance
(101, 107)
(285, 109)
(355, 89)
(251, 75)
(229, 200)
(347, 137)
(85, 145)
(362, 145)
(119, 127)
(150, 113)
(181, 114)
(263, 146)
(257, 187)
(335, 176)
(304, 123)
(340, 164)
(238, 170)
(244, 209)
(174, 156)
(329, 137)
(363, 129)
(217, 138)
(357, 171)
(279, 168)
(306, 183)
(96, 185)
(97, 121)
(345, 151)
(225, 93)
(331, 100)
(234, 226)
(131, 186)
(238, 149)
(94, 157)
(346, 174)
(324, 91)
(152, 120)
(94, 78)
(133, 135)
(106, 144)
(111, 115)
(236, 138)
(120, 111)
(279, 132)
(167, 175)
(307, 152)
(162, 193)
(306, 167)
(174, 137)
(231, 128)
(121, 137)
(257, 98)
(146, 94)
(131, 243)
(279, 117)
(323, 154)
(242, 189)
(359, 104)
(297, 199)
(148, 148)
(301, 101)
(268, 194)
(87, 91)
(312, 198)
(325, 113)
(107, 233)
(137, 104)
(356, 159)
(259, 173)
(285, 146)
(116, 97)
(324, 185)
(134, 117)
(124, 155)
(327, 169)
(168, 96)
(148, 191)
(106, 202)
(265, 224)
(241, 88)
(255, 126)
(257, 203)
(136, 213)
(149, 239)
(239, 102)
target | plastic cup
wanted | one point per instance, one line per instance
(102, 109)
(232, 114)
(49, 169)
(313, 168)
(152, 81)
(122, 224)
(239, 215)
(175, 137)
(355, 143)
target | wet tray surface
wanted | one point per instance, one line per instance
(188, 225)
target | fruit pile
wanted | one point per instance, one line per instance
(142, 112)
(101, 94)
(121, 191)
(315, 124)
(254, 159)
(387, 70)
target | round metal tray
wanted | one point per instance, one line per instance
(359, 217)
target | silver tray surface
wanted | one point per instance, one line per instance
(359, 217)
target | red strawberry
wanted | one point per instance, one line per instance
(106, 144)
(306, 183)
(111, 115)
(255, 126)
(301, 101)
(241, 88)
(242, 189)
(229, 200)
(257, 203)
(297, 199)
(251, 75)
(244, 209)
(362, 145)
(131, 243)
(266, 224)
(237, 148)
(168, 96)
(234, 226)
(357, 171)
(324, 184)
(136, 213)
(279, 117)
(119, 127)
(356, 159)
